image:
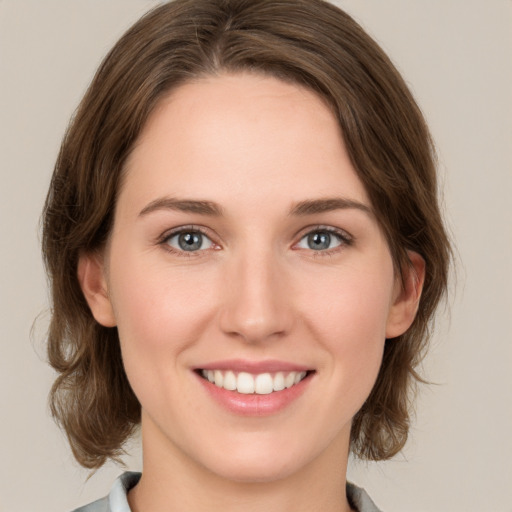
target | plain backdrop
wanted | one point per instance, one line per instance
(456, 56)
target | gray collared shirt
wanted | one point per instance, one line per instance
(117, 500)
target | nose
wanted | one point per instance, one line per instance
(257, 302)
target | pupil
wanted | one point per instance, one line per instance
(190, 241)
(319, 241)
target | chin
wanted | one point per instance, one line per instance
(255, 470)
(258, 459)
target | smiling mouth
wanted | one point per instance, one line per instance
(258, 384)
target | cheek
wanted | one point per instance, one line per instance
(159, 313)
(349, 319)
(160, 316)
(353, 303)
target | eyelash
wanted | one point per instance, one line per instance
(164, 241)
(345, 239)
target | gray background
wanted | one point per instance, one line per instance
(456, 55)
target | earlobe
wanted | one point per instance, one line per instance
(407, 297)
(91, 276)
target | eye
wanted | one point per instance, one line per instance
(189, 241)
(323, 240)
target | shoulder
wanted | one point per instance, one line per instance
(359, 499)
(117, 500)
(100, 505)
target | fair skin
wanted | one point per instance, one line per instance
(244, 242)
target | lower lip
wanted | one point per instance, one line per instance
(253, 404)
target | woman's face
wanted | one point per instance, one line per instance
(245, 251)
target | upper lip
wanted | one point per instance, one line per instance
(255, 367)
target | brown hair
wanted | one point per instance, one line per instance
(308, 42)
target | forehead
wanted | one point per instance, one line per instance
(240, 135)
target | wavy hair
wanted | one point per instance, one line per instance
(307, 42)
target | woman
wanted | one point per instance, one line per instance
(245, 250)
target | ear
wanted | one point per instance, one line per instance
(407, 296)
(91, 276)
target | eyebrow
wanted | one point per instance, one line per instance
(311, 207)
(302, 208)
(183, 205)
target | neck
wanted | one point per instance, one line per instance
(171, 480)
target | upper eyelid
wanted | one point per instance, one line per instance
(345, 240)
(305, 231)
(343, 233)
(184, 229)
(164, 238)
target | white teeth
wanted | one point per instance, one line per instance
(299, 377)
(289, 380)
(263, 384)
(246, 383)
(219, 378)
(229, 381)
(279, 381)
